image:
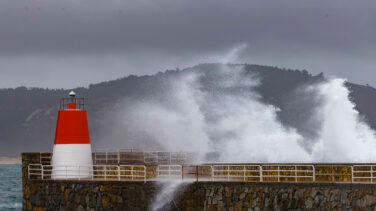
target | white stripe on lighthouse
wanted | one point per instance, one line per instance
(72, 161)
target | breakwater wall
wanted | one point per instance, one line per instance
(127, 195)
(114, 195)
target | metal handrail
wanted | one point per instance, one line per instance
(297, 172)
(45, 157)
(64, 102)
(34, 171)
(147, 157)
(226, 171)
(88, 172)
(218, 172)
(133, 171)
(171, 171)
(364, 176)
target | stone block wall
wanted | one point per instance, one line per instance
(87, 195)
(277, 196)
(115, 195)
(28, 158)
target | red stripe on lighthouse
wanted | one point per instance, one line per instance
(72, 127)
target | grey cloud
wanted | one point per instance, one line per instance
(113, 38)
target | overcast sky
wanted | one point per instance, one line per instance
(68, 43)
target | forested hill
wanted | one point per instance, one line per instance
(28, 115)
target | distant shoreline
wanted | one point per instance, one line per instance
(10, 160)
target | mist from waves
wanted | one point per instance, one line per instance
(228, 119)
(168, 189)
(238, 127)
(344, 136)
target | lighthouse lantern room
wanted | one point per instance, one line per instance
(72, 157)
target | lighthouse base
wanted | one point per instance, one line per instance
(71, 161)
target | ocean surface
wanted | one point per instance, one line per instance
(10, 187)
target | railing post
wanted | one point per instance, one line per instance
(118, 171)
(144, 173)
(118, 157)
(182, 172)
(212, 176)
(371, 174)
(314, 173)
(79, 172)
(278, 174)
(244, 173)
(352, 174)
(95, 156)
(261, 177)
(228, 173)
(333, 174)
(42, 172)
(132, 172)
(105, 171)
(296, 174)
(196, 173)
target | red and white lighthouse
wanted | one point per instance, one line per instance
(72, 156)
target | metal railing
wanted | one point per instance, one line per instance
(129, 156)
(197, 172)
(288, 173)
(166, 158)
(135, 156)
(35, 170)
(45, 157)
(169, 171)
(363, 173)
(87, 172)
(263, 173)
(106, 157)
(296, 173)
(229, 172)
(64, 103)
(339, 173)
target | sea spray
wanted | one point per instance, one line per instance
(228, 118)
(174, 125)
(344, 136)
(220, 112)
(165, 197)
(242, 128)
(233, 123)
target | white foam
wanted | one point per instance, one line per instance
(344, 137)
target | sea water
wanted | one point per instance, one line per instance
(10, 187)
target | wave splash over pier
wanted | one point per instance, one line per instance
(228, 119)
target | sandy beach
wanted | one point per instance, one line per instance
(10, 160)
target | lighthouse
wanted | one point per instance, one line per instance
(72, 157)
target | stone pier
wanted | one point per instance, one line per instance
(137, 195)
